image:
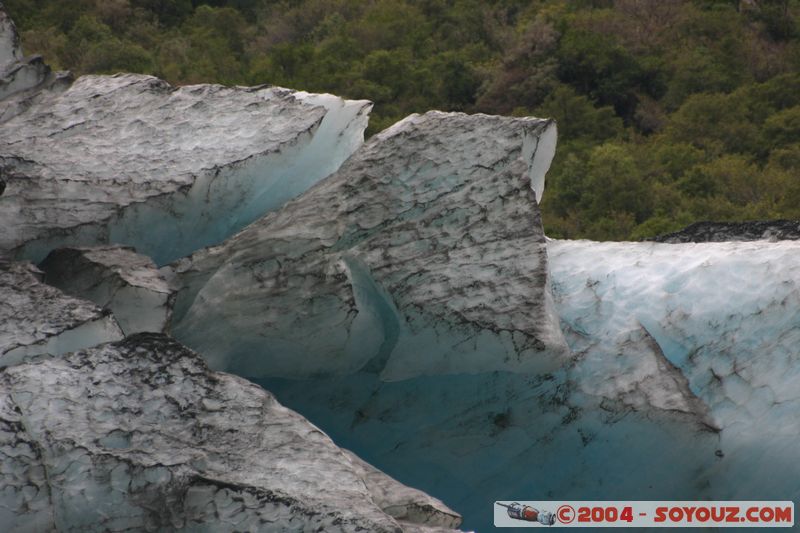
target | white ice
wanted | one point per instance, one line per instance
(726, 314)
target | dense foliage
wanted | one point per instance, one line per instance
(670, 111)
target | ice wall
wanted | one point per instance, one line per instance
(407, 261)
(170, 169)
(727, 315)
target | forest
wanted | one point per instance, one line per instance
(669, 111)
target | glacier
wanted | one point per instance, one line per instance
(399, 300)
(677, 351)
(172, 169)
(725, 314)
(22, 77)
(405, 261)
(37, 319)
(104, 424)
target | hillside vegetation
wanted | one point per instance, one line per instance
(669, 111)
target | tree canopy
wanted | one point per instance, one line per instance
(669, 111)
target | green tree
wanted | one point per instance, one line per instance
(168, 12)
(613, 186)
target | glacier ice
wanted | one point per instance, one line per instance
(683, 384)
(171, 169)
(405, 504)
(473, 439)
(405, 262)
(10, 48)
(17, 73)
(115, 278)
(726, 314)
(37, 319)
(717, 310)
(139, 435)
(409, 305)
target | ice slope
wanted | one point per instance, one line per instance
(116, 278)
(37, 319)
(423, 254)
(140, 436)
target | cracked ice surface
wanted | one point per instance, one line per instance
(139, 435)
(404, 262)
(38, 319)
(170, 169)
(726, 314)
(115, 278)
